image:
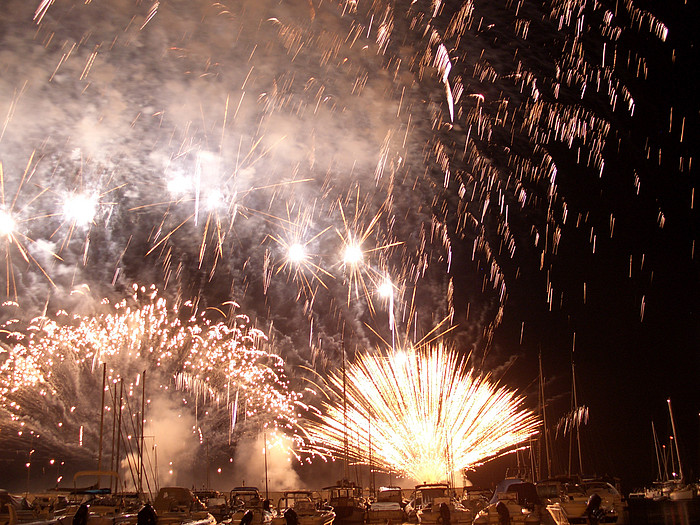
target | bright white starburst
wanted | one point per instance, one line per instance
(386, 289)
(353, 254)
(80, 208)
(296, 253)
(7, 224)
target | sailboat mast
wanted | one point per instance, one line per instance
(578, 425)
(573, 408)
(548, 457)
(113, 393)
(675, 440)
(265, 457)
(102, 422)
(345, 410)
(209, 479)
(575, 417)
(372, 489)
(656, 450)
(117, 464)
(143, 421)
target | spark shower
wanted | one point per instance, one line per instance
(369, 169)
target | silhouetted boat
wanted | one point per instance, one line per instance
(348, 503)
(301, 508)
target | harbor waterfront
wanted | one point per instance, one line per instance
(182, 506)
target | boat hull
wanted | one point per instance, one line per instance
(386, 516)
(563, 514)
(457, 517)
(682, 494)
(325, 519)
(348, 515)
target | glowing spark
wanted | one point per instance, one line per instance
(41, 10)
(215, 201)
(14, 239)
(296, 253)
(7, 224)
(151, 13)
(80, 208)
(300, 264)
(386, 289)
(353, 254)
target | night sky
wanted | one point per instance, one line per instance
(523, 173)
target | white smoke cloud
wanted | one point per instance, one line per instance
(171, 429)
(250, 465)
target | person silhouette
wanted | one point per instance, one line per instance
(81, 515)
(147, 515)
(290, 517)
(444, 513)
(247, 518)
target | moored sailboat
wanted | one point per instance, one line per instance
(669, 485)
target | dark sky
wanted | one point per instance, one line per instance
(627, 365)
(301, 121)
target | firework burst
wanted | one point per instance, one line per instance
(361, 275)
(12, 237)
(297, 260)
(421, 413)
(57, 362)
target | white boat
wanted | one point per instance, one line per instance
(179, 505)
(475, 498)
(15, 509)
(682, 492)
(348, 503)
(514, 502)
(388, 507)
(613, 504)
(300, 507)
(247, 502)
(436, 503)
(565, 500)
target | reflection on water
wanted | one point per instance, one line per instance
(644, 512)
